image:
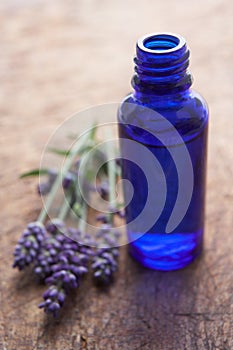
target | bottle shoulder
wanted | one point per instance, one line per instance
(193, 100)
(188, 115)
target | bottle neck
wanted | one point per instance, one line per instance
(161, 69)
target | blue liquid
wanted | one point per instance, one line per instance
(157, 249)
(166, 252)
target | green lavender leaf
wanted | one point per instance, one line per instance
(93, 131)
(67, 152)
(60, 152)
(35, 172)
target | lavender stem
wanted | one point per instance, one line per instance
(67, 164)
(111, 166)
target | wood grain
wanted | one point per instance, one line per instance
(60, 57)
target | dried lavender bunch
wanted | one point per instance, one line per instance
(29, 245)
(66, 271)
(62, 259)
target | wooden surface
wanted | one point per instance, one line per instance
(56, 58)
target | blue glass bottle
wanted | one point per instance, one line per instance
(170, 122)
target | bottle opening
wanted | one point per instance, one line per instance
(161, 65)
(161, 42)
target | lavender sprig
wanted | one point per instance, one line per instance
(29, 244)
(63, 260)
(104, 263)
(68, 162)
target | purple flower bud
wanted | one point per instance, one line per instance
(97, 264)
(46, 294)
(53, 307)
(27, 244)
(38, 270)
(103, 189)
(116, 211)
(61, 298)
(81, 270)
(52, 176)
(74, 234)
(43, 188)
(118, 161)
(68, 180)
(63, 260)
(107, 271)
(110, 241)
(55, 226)
(121, 214)
(41, 305)
(51, 303)
(97, 273)
(53, 292)
(102, 218)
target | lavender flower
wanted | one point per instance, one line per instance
(103, 189)
(104, 262)
(55, 226)
(44, 188)
(65, 261)
(54, 246)
(121, 213)
(29, 244)
(102, 218)
(68, 180)
(116, 211)
(48, 255)
(106, 218)
(119, 162)
(54, 298)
